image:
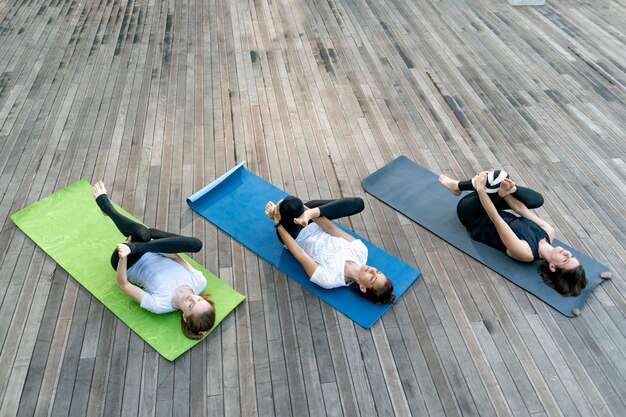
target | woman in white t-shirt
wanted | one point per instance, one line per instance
(150, 271)
(330, 257)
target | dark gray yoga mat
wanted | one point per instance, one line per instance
(415, 192)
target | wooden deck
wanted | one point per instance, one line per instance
(158, 98)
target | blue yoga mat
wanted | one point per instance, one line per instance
(415, 192)
(235, 203)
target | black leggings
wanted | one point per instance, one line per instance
(292, 207)
(471, 211)
(145, 239)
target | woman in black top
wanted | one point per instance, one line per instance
(524, 237)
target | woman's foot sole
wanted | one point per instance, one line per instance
(450, 184)
(98, 189)
(269, 209)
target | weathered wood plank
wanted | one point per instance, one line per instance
(160, 98)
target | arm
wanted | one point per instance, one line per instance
(133, 291)
(332, 229)
(301, 256)
(521, 209)
(309, 265)
(176, 257)
(515, 247)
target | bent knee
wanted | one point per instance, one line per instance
(196, 245)
(359, 204)
(462, 213)
(538, 201)
(115, 259)
(140, 233)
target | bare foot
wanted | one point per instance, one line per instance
(98, 189)
(304, 218)
(269, 209)
(450, 184)
(507, 186)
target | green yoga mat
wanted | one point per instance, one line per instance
(69, 226)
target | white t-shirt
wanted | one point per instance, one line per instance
(330, 253)
(159, 277)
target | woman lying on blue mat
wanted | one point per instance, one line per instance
(160, 280)
(525, 237)
(330, 257)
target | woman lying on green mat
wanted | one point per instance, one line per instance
(526, 237)
(330, 257)
(150, 271)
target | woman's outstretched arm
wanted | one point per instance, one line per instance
(309, 265)
(177, 258)
(515, 247)
(521, 209)
(332, 229)
(301, 256)
(131, 290)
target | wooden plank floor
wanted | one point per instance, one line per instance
(158, 98)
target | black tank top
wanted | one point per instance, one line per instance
(526, 230)
(483, 230)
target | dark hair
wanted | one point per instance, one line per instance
(565, 281)
(197, 325)
(381, 295)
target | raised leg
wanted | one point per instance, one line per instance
(470, 210)
(126, 226)
(167, 245)
(143, 239)
(171, 244)
(531, 198)
(336, 209)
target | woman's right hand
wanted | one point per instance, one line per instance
(123, 250)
